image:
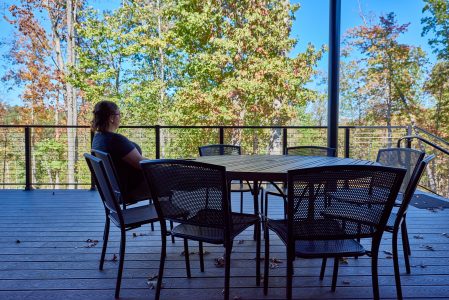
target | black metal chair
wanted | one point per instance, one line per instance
(130, 218)
(126, 199)
(222, 149)
(310, 230)
(280, 189)
(396, 221)
(201, 191)
(408, 159)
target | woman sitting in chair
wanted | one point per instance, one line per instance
(125, 154)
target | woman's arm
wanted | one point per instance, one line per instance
(133, 158)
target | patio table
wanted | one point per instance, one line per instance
(272, 168)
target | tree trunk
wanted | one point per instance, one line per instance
(71, 96)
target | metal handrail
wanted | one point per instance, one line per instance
(410, 137)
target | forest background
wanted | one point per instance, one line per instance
(189, 62)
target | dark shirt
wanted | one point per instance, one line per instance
(118, 147)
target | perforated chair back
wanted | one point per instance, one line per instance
(311, 151)
(189, 192)
(311, 190)
(109, 197)
(109, 168)
(406, 158)
(219, 149)
(413, 184)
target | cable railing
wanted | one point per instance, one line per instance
(435, 178)
(36, 156)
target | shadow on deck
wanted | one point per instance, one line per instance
(45, 254)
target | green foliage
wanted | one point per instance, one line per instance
(436, 22)
(50, 159)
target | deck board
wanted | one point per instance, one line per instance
(52, 260)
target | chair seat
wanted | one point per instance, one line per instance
(213, 234)
(136, 216)
(318, 229)
(328, 248)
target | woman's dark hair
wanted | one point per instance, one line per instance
(102, 111)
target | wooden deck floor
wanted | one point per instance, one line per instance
(44, 255)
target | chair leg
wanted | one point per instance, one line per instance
(172, 236)
(405, 234)
(405, 248)
(258, 254)
(105, 241)
(120, 263)
(266, 204)
(152, 226)
(241, 202)
(290, 259)
(397, 275)
(323, 268)
(374, 271)
(266, 260)
(335, 274)
(187, 257)
(162, 260)
(262, 206)
(201, 253)
(228, 250)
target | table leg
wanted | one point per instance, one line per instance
(256, 203)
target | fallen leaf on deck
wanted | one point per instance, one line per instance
(344, 260)
(422, 266)
(134, 234)
(445, 234)
(388, 252)
(346, 282)
(114, 257)
(389, 256)
(241, 242)
(418, 237)
(276, 260)
(91, 243)
(152, 277)
(219, 262)
(428, 247)
(18, 242)
(183, 253)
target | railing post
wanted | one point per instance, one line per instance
(92, 180)
(158, 141)
(284, 140)
(347, 141)
(28, 177)
(409, 132)
(221, 135)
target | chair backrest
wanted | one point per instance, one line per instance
(412, 185)
(108, 196)
(313, 192)
(311, 151)
(109, 167)
(219, 149)
(189, 192)
(406, 158)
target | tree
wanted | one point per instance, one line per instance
(437, 22)
(44, 66)
(394, 70)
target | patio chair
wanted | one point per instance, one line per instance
(396, 221)
(199, 189)
(309, 233)
(130, 218)
(125, 199)
(280, 189)
(222, 149)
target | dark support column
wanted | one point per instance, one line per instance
(334, 68)
(284, 141)
(221, 135)
(28, 183)
(347, 141)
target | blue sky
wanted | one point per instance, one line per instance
(311, 25)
